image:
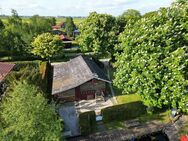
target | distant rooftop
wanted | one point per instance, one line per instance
(71, 74)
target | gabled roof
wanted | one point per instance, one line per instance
(5, 68)
(74, 73)
(64, 38)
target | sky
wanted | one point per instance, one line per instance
(79, 7)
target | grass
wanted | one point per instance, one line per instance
(122, 99)
(77, 21)
(161, 116)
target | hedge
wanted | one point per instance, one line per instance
(123, 111)
(87, 122)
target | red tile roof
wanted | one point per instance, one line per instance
(5, 68)
(64, 38)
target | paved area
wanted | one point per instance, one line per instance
(68, 113)
(93, 105)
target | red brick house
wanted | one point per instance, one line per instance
(78, 79)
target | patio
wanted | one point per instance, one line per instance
(93, 105)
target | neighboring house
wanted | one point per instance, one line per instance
(67, 42)
(57, 32)
(61, 25)
(76, 33)
(64, 38)
(5, 69)
(78, 79)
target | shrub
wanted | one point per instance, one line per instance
(123, 111)
(87, 122)
(34, 72)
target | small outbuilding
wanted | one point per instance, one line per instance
(78, 79)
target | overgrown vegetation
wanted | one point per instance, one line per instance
(34, 72)
(25, 115)
(16, 34)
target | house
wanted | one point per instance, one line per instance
(57, 32)
(67, 42)
(61, 25)
(64, 38)
(76, 33)
(78, 79)
(5, 69)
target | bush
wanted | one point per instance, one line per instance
(23, 64)
(34, 72)
(123, 111)
(87, 122)
(4, 53)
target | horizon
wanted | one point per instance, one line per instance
(77, 8)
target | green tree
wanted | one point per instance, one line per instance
(46, 45)
(153, 61)
(2, 26)
(1, 35)
(98, 34)
(27, 116)
(12, 35)
(129, 16)
(70, 26)
(14, 19)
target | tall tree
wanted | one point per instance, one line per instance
(27, 116)
(2, 26)
(70, 26)
(46, 45)
(98, 34)
(128, 17)
(12, 35)
(1, 35)
(154, 61)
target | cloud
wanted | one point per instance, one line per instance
(79, 7)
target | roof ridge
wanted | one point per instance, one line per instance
(93, 76)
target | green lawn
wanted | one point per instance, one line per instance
(122, 99)
(133, 99)
(161, 116)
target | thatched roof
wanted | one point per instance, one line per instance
(75, 72)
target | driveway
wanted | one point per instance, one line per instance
(68, 113)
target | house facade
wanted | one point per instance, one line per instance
(86, 91)
(79, 79)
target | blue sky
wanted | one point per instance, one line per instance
(79, 7)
